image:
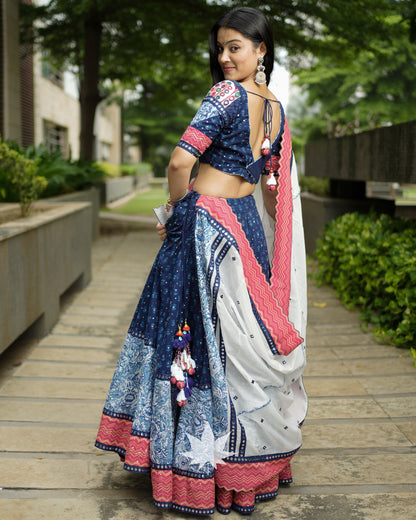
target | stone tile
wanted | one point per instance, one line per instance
(46, 509)
(390, 384)
(388, 367)
(64, 370)
(82, 330)
(54, 389)
(409, 429)
(121, 286)
(367, 351)
(113, 303)
(326, 368)
(344, 409)
(88, 321)
(398, 406)
(48, 411)
(90, 310)
(324, 387)
(315, 328)
(321, 293)
(318, 354)
(380, 506)
(70, 340)
(86, 355)
(330, 315)
(102, 472)
(341, 470)
(139, 507)
(340, 339)
(48, 439)
(353, 435)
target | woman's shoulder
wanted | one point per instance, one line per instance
(227, 92)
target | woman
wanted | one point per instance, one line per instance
(207, 394)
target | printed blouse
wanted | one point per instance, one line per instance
(219, 134)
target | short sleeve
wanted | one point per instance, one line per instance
(212, 117)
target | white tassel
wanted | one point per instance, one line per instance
(265, 146)
(180, 398)
(271, 181)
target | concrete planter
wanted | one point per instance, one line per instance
(114, 189)
(41, 257)
(91, 195)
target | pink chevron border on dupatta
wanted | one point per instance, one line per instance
(282, 248)
(284, 334)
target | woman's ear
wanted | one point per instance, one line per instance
(262, 49)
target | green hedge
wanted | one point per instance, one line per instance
(121, 170)
(314, 185)
(62, 175)
(370, 260)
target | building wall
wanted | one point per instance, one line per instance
(10, 91)
(58, 104)
(53, 104)
(107, 131)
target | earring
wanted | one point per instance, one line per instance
(260, 75)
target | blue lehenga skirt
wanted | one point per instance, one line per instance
(230, 438)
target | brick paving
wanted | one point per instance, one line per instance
(358, 461)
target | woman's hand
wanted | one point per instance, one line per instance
(161, 230)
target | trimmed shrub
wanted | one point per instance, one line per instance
(314, 185)
(19, 178)
(370, 260)
(136, 169)
(109, 169)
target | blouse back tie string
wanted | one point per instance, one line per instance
(266, 147)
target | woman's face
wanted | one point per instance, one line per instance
(237, 55)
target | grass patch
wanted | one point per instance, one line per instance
(142, 203)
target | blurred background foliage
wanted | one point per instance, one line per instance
(353, 62)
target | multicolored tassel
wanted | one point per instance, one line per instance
(183, 366)
(271, 181)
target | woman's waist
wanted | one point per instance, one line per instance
(216, 183)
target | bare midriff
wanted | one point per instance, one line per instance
(216, 183)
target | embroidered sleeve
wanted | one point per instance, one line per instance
(212, 116)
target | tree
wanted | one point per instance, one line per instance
(131, 41)
(376, 87)
(103, 40)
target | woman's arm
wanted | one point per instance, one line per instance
(179, 173)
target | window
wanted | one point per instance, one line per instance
(53, 74)
(104, 151)
(55, 137)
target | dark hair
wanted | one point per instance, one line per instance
(252, 24)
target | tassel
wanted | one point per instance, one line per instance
(181, 399)
(265, 145)
(183, 366)
(271, 181)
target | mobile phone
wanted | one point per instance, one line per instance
(162, 214)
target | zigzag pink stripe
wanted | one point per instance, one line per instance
(282, 330)
(196, 139)
(282, 255)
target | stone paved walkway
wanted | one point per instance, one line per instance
(358, 461)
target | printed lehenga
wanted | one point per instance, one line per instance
(245, 303)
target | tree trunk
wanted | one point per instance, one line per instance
(89, 93)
